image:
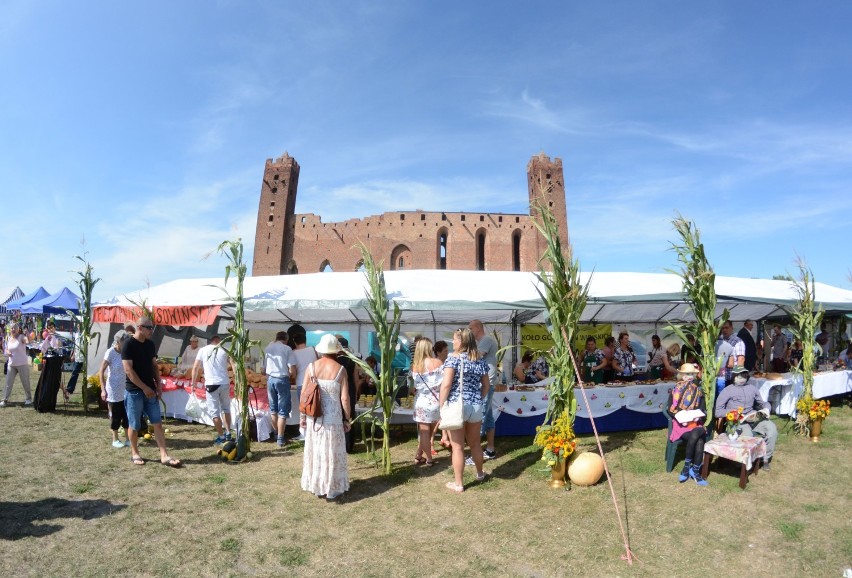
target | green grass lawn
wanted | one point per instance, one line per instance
(73, 505)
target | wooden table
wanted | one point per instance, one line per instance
(749, 452)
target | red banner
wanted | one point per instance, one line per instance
(176, 316)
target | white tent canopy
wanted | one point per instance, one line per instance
(435, 296)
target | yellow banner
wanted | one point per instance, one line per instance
(537, 337)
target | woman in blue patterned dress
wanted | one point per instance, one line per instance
(466, 362)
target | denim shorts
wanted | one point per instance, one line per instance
(278, 390)
(219, 401)
(472, 413)
(135, 403)
(488, 415)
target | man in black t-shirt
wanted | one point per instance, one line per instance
(144, 388)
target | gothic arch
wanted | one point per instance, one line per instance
(516, 250)
(292, 269)
(480, 249)
(325, 266)
(401, 258)
(441, 248)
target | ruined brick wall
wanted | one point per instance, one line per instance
(301, 243)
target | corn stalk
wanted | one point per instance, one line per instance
(565, 299)
(806, 321)
(237, 344)
(83, 321)
(699, 290)
(387, 335)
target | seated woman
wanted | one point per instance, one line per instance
(687, 395)
(845, 357)
(795, 354)
(521, 371)
(670, 360)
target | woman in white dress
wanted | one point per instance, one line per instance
(325, 469)
(428, 373)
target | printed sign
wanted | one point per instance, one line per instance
(176, 316)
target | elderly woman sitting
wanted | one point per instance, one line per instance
(687, 396)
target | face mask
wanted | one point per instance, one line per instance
(740, 380)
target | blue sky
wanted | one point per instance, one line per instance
(143, 128)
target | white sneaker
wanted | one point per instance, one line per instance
(28, 402)
(3, 403)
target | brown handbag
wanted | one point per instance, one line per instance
(310, 402)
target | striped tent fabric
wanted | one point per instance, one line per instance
(7, 295)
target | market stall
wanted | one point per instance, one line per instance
(434, 303)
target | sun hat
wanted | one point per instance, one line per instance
(688, 368)
(328, 344)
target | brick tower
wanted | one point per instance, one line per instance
(547, 184)
(273, 242)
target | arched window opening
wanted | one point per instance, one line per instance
(480, 250)
(400, 257)
(292, 269)
(516, 251)
(442, 248)
(326, 267)
(359, 267)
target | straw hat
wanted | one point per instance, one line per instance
(328, 344)
(688, 368)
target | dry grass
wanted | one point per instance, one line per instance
(73, 504)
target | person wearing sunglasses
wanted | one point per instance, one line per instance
(143, 389)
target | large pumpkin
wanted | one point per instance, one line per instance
(586, 469)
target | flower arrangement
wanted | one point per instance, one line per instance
(94, 393)
(732, 420)
(814, 409)
(557, 440)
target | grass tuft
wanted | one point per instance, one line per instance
(230, 545)
(791, 530)
(291, 556)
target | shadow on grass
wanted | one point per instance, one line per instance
(19, 519)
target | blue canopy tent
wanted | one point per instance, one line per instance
(19, 304)
(57, 303)
(8, 295)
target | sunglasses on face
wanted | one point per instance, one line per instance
(149, 327)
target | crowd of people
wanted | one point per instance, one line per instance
(468, 375)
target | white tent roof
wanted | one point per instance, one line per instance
(427, 296)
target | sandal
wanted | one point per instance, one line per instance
(171, 462)
(429, 463)
(419, 461)
(137, 460)
(453, 487)
(482, 477)
(446, 444)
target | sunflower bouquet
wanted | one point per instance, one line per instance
(814, 409)
(732, 421)
(557, 440)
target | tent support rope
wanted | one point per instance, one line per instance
(628, 554)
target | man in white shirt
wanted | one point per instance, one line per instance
(487, 347)
(215, 361)
(303, 356)
(281, 370)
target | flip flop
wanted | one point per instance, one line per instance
(419, 461)
(453, 487)
(137, 460)
(171, 462)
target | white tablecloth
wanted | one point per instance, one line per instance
(602, 400)
(176, 404)
(832, 383)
